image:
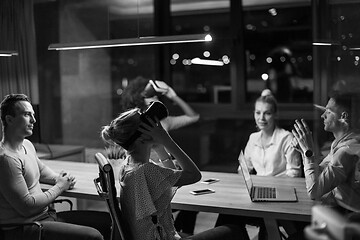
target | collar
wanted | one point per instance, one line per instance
(273, 137)
(348, 138)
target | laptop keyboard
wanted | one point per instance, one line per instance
(266, 192)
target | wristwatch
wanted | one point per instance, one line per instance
(309, 153)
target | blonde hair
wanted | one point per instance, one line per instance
(267, 97)
(120, 130)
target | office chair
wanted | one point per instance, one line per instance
(68, 201)
(105, 186)
(327, 224)
(36, 227)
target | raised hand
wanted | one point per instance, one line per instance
(154, 132)
(303, 136)
(163, 88)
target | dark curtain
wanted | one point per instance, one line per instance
(18, 74)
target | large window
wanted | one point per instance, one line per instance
(279, 52)
(343, 44)
(127, 63)
(344, 60)
(201, 72)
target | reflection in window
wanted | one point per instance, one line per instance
(201, 72)
(345, 52)
(127, 63)
(279, 52)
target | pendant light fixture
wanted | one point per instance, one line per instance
(207, 62)
(128, 42)
(7, 53)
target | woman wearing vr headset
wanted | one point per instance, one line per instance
(139, 93)
(147, 188)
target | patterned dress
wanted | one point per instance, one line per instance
(145, 197)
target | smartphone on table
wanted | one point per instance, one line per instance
(210, 180)
(202, 191)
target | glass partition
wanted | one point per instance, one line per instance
(279, 52)
(278, 42)
(201, 72)
(301, 50)
(344, 45)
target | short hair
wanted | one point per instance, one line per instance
(267, 97)
(7, 106)
(343, 100)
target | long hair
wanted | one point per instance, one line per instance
(132, 95)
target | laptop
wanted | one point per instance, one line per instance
(265, 194)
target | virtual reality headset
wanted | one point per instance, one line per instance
(155, 109)
(153, 89)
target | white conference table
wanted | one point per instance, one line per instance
(230, 197)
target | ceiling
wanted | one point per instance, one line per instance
(130, 7)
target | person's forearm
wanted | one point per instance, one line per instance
(182, 158)
(185, 107)
(47, 175)
(168, 162)
(310, 170)
(34, 203)
(27, 203)
(164, 157)
(293, 168)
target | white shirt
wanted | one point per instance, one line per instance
(277, 158)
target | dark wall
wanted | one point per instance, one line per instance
(48, 71)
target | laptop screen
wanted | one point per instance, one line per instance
(245, 171)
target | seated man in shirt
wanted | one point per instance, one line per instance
(21, 196)
(335, 180)
(338, 181)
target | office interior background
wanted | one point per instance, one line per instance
(312, 43)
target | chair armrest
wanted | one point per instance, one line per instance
(35, 223)
(64, 200)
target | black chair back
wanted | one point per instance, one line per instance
(105, 186)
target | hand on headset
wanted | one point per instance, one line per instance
(163, 88)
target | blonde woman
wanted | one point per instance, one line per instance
(147, 188)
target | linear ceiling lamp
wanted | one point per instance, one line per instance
(325, 43)
(7, 53)
(128, 42)
(207, 62)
